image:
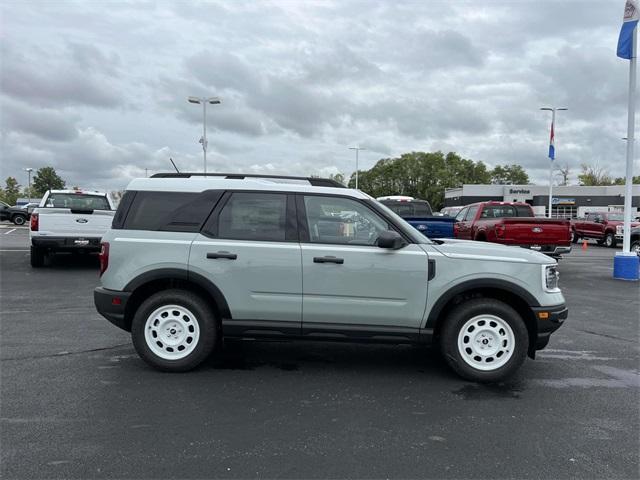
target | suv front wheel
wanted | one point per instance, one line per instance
(174, 330)
(484, 340)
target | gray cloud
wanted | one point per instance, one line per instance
(99, 91)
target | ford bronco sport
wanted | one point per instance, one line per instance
(193, 259)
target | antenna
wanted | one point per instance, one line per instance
(174, 165)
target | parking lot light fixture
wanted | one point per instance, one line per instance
(357, 149)
(29, 170)
(204, 101)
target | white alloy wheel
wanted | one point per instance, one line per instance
(635, 247)
(171, 332)
(486, 342)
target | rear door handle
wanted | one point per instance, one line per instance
(227, 255)
(329, 259)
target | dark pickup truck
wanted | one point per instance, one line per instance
(419, 215)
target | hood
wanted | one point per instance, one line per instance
(455, 248)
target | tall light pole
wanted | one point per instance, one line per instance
(357, 149)
(29, 170)
(204, 101)
(552, 151)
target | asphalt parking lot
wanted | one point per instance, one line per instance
(77, 402)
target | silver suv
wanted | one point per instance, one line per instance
(191, 260)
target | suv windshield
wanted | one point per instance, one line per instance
(77, 201)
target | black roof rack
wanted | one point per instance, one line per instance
(314, 181)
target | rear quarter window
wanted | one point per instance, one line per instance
(166, 211)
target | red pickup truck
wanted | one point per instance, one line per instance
(606, 228)
(513, 224)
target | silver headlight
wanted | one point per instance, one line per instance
(619, 229)
(551, 277)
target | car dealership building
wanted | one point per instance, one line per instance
(568, 201)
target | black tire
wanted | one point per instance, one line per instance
(574, 237)
(635, 246)
(19, 219)
(203, 315)
(468, 310)
(600, 242)
(37, 257)
(610, 240)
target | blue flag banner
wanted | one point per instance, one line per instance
(630, 22)
(552, 148)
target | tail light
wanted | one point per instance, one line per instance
(500, 229)
(35, 222)
(456, 229)
(104, 257)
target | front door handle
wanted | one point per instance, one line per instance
(227, 255)
(329, 259)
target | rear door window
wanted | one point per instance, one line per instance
(254, 216)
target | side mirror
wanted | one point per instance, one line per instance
(391, 239)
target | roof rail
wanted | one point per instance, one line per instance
(313, 181)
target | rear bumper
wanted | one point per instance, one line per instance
(548, 320)
(70, 244)
(551, 250)
(111, 304)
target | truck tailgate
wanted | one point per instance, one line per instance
(65, 222)
(534, 231)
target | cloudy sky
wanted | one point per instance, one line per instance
(98, 89)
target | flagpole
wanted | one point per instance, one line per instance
(628, 191)
(553, 123)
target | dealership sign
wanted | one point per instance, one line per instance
(563, 201)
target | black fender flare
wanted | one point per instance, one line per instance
(181, 274)
(477, 284)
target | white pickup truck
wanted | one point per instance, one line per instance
(69, 221)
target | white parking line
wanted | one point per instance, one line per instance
(12, 230)
(14, 250)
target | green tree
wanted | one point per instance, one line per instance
(592, 176)
(423, 175)
(338, 177)
(622, 180)
(45, 179)
(509, 175)
(11, 191)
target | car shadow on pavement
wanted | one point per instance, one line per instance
(73, 261)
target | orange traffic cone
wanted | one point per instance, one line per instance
(584, 245)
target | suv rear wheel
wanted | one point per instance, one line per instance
(174, 330)
(484, 340)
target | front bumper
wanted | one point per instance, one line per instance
(111, 304)
(548, 320)
(68, 244)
